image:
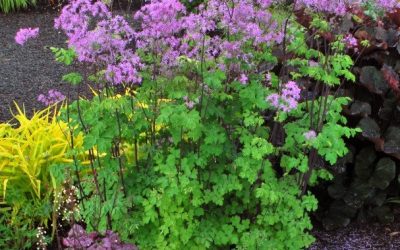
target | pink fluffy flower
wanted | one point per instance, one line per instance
(25, 34)
(337, 7)
(53, 96)
(309, 135)
(351, 42)
(124, 72)
(340, 7)
(243, 79)
(288, 99)
(268, 77)
(189, 103)
(388, 5)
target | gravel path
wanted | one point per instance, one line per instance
(359, 237)
(29, 70)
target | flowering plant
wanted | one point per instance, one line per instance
(209, 125)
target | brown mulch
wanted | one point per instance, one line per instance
(358, 236)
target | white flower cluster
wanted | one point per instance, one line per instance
(41, 243)
(67, 204)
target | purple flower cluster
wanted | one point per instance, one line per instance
(124, 71)
(93, 32)
(340, 7)
(23, 35)
(161, 24)
(388, 5)
(160, 19)
(189, 103)
(289, 98)
(53, 96)
(351, 42)
(168, 30)
(243, 79)
(218, 30)
(248, 20)
(100, 38)
(337, 7)
(245, 22)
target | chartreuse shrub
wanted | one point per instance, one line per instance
(7, 6)
(30, 150)
(213, 140)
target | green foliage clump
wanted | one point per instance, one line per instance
(7, 6)
(196, 157)
(168, 174)
(17, 228)
(199, 179)
(30, 152)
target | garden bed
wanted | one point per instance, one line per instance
(30, 70)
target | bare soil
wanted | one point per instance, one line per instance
(359, 236)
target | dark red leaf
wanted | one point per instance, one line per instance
(392, 78)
